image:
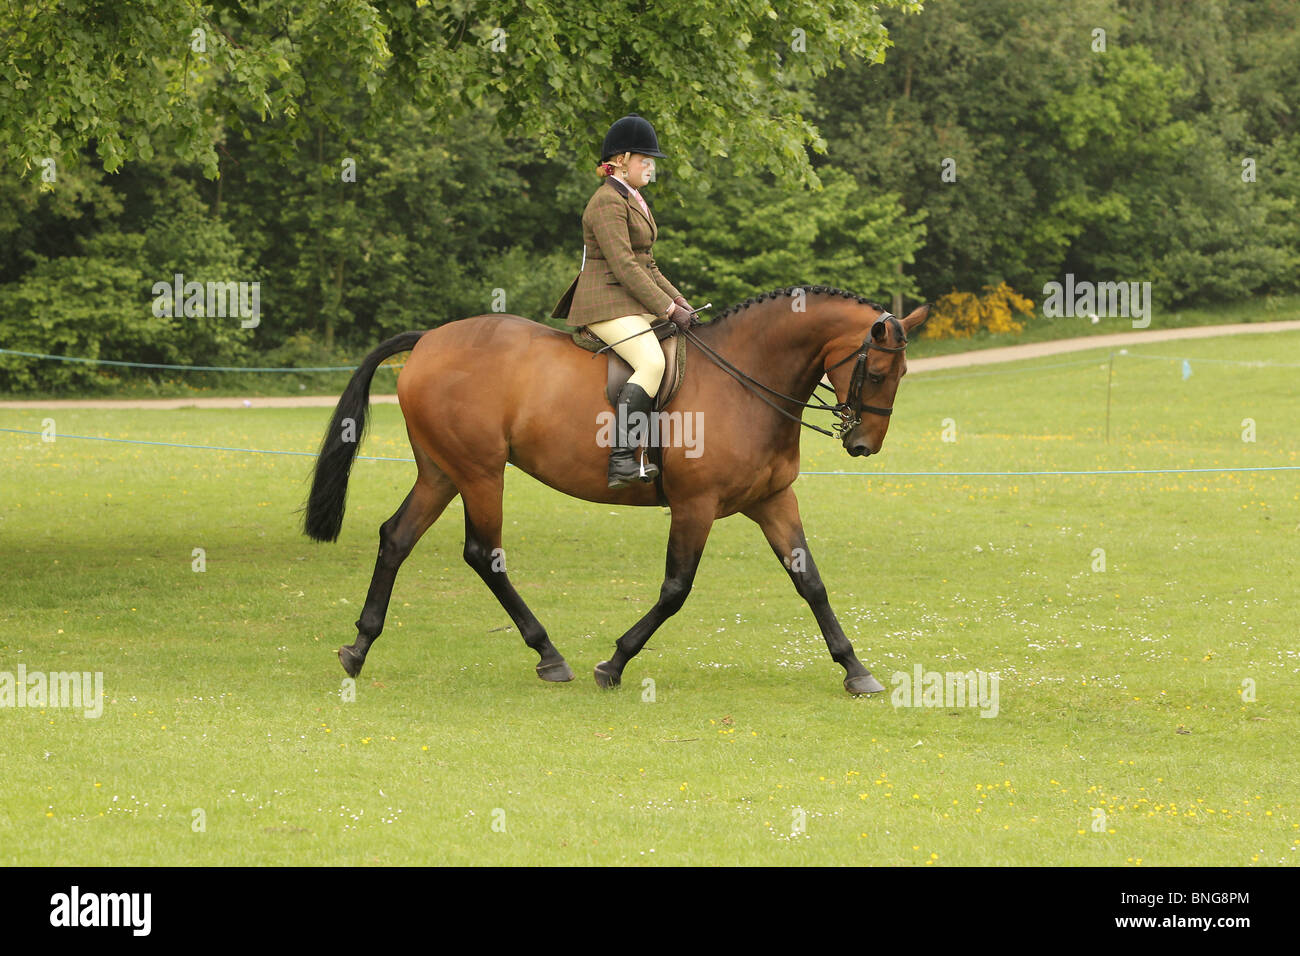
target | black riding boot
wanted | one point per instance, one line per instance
(625, 465)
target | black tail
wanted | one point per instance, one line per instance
(329, 487)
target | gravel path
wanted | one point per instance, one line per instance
(1011, 353)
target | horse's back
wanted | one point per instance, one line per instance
(497, 338)
(496, 352)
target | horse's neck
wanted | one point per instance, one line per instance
(780, 348)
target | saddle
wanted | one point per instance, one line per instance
(618, 371)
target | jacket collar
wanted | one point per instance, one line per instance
(625, 191)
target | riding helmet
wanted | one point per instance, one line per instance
(631, 134)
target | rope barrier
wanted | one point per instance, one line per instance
(861, 474)
(1029, 474)
(891, 474)
(1217, 361)
(930, 377)
(352, 368)
(168, 444)
(189, 368)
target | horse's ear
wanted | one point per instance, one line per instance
(916, 318)
(879, 332)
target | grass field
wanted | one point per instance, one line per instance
(1161, 691)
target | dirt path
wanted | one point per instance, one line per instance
(1011, 353)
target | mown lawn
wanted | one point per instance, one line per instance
(1125, 733)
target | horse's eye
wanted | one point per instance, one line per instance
(875, 379)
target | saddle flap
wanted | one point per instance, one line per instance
(618, 371)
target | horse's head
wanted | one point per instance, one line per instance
(866, 379)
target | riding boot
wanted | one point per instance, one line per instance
(625, 462)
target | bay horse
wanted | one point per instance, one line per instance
(483, 391)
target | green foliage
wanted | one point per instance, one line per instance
(98, 303)
(531, 282)
(749, 235)
(1120, 162)
(473, 128)
(160, 75)
(75, 305)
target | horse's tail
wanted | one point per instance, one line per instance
(329, 487)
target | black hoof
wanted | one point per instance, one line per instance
(557, 671)
(863, 684)
(351, 660)
(606, 676)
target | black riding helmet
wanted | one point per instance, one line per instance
(631, 134)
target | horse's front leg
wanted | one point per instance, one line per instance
(689, 530)
(778, 516)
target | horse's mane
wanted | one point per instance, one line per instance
(789, 291)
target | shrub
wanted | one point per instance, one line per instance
(960, 315)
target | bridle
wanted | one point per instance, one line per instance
(850, 411)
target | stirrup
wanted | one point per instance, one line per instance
(623, 472)
(649, 471)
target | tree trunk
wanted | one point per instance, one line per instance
(907, 94)
(898, 295)
(322, 270)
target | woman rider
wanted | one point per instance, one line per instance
(620, 290)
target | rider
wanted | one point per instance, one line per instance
(620, 290)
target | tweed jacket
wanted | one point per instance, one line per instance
(619, 276)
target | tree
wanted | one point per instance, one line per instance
(750, 235)
(154, 75)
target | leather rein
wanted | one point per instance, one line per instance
(850, 412)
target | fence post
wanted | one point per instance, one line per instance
(1110, 368)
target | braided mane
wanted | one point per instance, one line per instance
(790, 291)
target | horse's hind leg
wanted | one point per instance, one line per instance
(432, 493)
(687, 534)
(483, 553)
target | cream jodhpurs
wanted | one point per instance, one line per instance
(643, 353)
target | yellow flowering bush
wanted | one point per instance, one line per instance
(961, 314)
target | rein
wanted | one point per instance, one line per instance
(850, 412)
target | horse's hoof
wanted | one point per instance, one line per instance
(351, 660)
(863, 684)
(557, 671)
(606, 676)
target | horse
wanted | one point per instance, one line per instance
(480, 392)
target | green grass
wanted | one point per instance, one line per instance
(1120, 690)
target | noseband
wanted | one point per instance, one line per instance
(850, 412)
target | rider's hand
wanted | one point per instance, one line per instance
(681, 313)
